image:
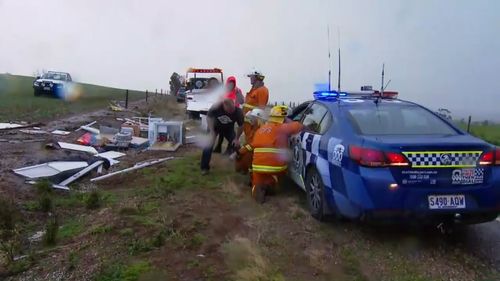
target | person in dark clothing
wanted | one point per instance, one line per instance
(234, 93)
(221, 118)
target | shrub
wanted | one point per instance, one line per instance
(93, 201)
(10, 239)
(51, 230)
(43, 187)
(44, 191)
(45, 202)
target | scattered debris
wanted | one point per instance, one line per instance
(135, 167)
(55, 186)
(60, 132)
(77, 147)
(37, 236)
(4, 126)
(138, 142)
(116, 107)
(90, 130)
(26, 141)
(122, 139)
(167, 136)
(50, 169)
(11, 126)
(88, 125)
(111, 154)
(64, 184)
(34, 132)
(91, 139)
(191, 139)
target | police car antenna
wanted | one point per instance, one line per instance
(338, 39)
(377, 100)
(329, 60)
(382, 84)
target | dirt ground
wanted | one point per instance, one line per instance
(168, 222)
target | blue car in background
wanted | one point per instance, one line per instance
(373, 157)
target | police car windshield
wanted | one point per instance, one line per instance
(54, 76)
(397, 119)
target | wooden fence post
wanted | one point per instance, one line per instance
(468, 124)
(126, 98)
(146, 96)
(156, 92)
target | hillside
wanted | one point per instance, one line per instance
(17, 101)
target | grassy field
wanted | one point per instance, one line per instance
(17, 101)
(486, 131)
(168, 223)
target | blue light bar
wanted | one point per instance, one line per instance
(328, 95)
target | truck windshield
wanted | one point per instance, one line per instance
(397, 119)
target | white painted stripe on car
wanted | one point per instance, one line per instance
(304, 141)
(315, 145)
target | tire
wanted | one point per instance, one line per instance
(36, 92)
(315, 195)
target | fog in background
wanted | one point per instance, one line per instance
(439, 53)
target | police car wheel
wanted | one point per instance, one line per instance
(315, 198)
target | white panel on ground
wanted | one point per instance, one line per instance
(9, 125)
(77, 147)
(111, 154)
(60, 132)
(49, 169)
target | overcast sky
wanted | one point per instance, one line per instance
(439, 53)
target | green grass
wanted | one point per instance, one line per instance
(119, 272)
(486, 131)
(17, 101)
(351, 265)
(71, 228)
(184, 173)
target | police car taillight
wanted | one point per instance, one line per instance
(376, 158)
(490, 158)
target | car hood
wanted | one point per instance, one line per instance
(50, 81)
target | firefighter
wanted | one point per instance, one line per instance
(258, 97)
(243, 157)
(270, 151)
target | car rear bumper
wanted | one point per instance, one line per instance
(374, 198)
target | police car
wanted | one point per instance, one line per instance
(372, 156)
(52, 83)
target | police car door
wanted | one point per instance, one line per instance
(305, 145)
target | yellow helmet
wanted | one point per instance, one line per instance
(278, 113)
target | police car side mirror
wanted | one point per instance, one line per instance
(38, 77)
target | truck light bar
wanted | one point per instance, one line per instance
(204, 70)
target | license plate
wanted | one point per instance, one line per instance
(446, 201)
(46, 88)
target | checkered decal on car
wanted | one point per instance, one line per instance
(443, 159)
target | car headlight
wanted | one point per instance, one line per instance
(36, 84)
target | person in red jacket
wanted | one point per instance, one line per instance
(270, 151)
(233, 92)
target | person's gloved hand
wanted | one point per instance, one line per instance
(234, 156)
(236, 143)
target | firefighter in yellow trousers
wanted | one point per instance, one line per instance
(270, 151)
(255, 118)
